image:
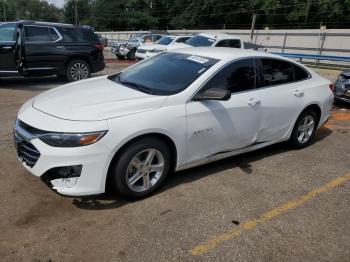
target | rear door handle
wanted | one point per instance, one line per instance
(253, 102)
(60, 46)
(7, 47)
(298, 93)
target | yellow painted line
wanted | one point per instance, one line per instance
(251, 224)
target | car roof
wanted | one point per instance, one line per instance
(224, 53)
(218, 35)
(28, 22)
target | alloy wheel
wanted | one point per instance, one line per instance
(79, 71)
(305, 129)
(144, 170)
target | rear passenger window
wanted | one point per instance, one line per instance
(236, 77)
(222, 43)
(277, 72)
(235, 43)
(72, 34)
(300, 73)
(36, 34)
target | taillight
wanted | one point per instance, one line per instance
(99, 46)
(332, 87)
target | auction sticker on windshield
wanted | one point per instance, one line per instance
(198, 59)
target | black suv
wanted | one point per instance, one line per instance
(39, 49)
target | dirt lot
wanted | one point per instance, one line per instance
(275, 204)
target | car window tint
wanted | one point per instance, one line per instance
(7, 32)
(53, 34)
(200, 40)
(36, 34)
(167, 73)
(300, 73)
(234, 43)
(277, 72)
(182, 39)
(166, 40)
(156, 37)
(78, 35)
(236, 77)
(222, 43)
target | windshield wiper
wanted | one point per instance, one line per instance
(136, 86)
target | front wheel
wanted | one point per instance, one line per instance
(78, 70)
(304, 129)
(141, 168)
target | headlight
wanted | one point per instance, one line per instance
(71, 140)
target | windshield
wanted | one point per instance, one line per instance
(135, 38)
(165, 40)
(200, 40)
(164, 74)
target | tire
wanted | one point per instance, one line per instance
(304, 129)
(131, 55)
(129, 172)
(78, 69)
(120, 57)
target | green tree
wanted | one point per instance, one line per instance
(30, 10)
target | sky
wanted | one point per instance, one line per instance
(58, 3)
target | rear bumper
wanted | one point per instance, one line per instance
(342, 98)
(98, 64)
(342, 91)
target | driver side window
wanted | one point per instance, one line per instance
(7, 32)
(238, 76)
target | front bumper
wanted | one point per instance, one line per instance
(342, 91)
(94, 159)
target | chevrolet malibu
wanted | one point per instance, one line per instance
(174, 111)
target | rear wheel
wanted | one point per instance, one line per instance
(78, 70)
(304, 129)
(141, 168)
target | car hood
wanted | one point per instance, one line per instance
(95, 99)
(153, 46)
(178, 46)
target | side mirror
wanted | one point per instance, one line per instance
(213, 94)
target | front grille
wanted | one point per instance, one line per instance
(31, 130)
(26, 151)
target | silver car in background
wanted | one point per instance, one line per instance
(342, 87)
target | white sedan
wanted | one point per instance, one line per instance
(165, 43)
(174, 111)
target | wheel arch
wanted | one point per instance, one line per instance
(165, 138)
(77, 57)
(315, 107)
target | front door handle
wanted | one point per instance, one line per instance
(298, 93)
(253, 102)
(7, 47)
(60, 46)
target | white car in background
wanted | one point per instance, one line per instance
(165, 43)
(170, 112)
(213, 40)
